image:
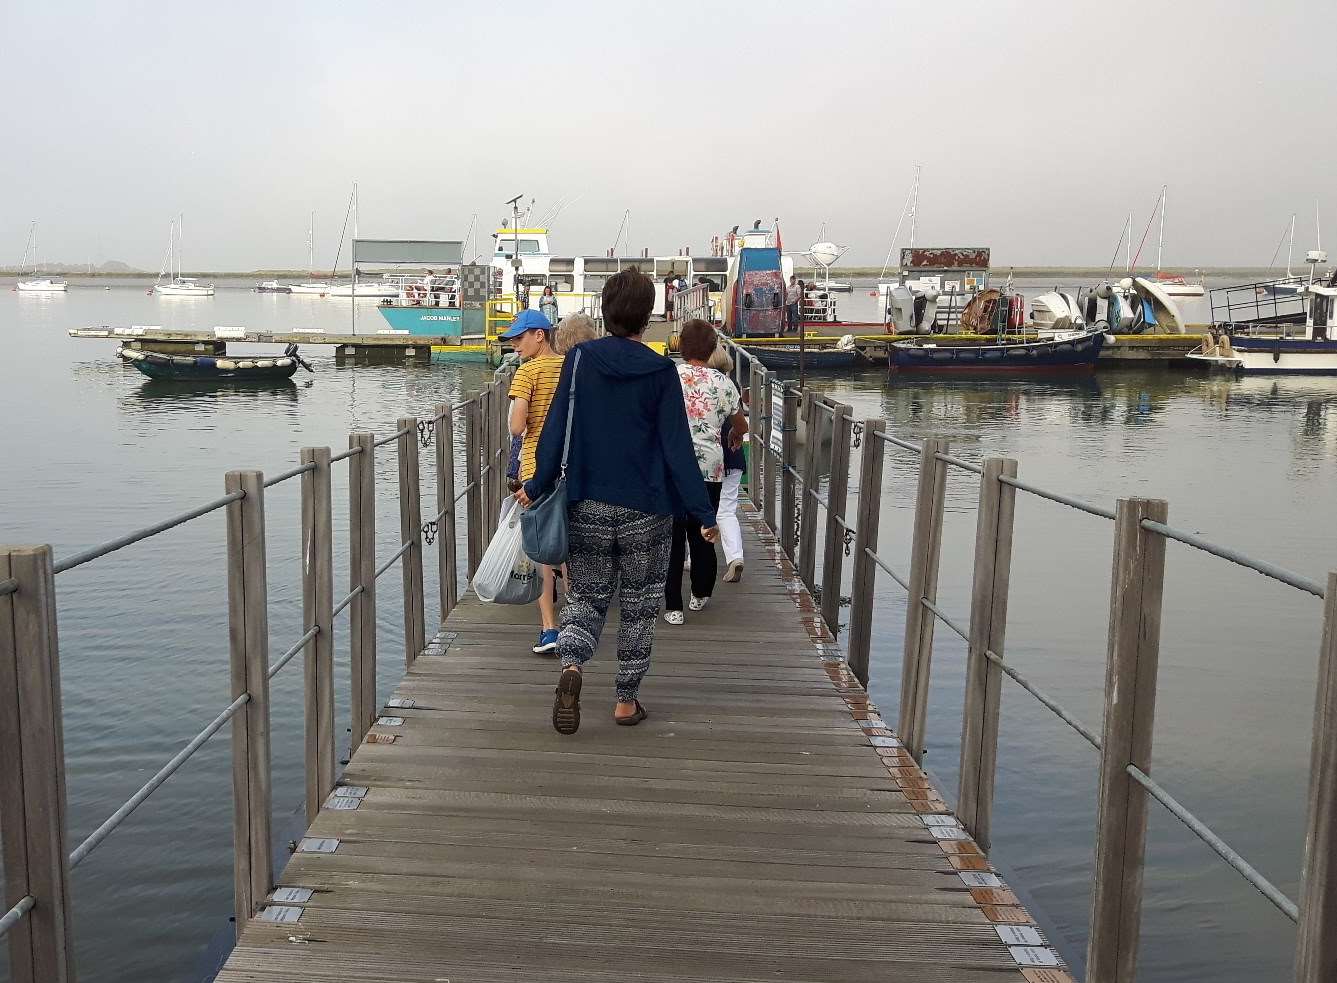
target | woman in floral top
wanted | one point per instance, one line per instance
(711, 400)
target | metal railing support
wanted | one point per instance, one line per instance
(1136, 590)
(473, 497)
(410, 531)
(833, 552)
(863, 579)
(988, 624)
(248, 633)
(770, 424)
(445, 507)
(807, 505)
(756, 446)
(788, 459)
(1316, 947)
(923, 580)
(32, 770)
(488, 410)
(362, 573)
(318, 612)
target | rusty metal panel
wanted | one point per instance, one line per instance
(945, 258)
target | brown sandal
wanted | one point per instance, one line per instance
(632, 719)
(566, 706)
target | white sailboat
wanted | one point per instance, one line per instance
(178, 286)
(1174, 284)
(311, 286)
(37, 285)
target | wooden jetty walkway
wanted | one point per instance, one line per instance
(765, 823)
(751, 829)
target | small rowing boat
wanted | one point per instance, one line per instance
(1066, 350)
(210, 368)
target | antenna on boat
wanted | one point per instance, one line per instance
(515, 258)
(618, 238)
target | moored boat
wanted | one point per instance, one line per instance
(778, 358)
(1075, 350)
(1278, 348)
(211, 368)
(42, 285)
(272, 287)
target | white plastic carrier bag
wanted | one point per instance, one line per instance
(505, 575)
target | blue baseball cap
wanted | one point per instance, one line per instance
(529, 320)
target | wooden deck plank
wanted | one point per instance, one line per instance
(749, 830)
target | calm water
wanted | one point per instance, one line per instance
(93, 449)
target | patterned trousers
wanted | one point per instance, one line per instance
(609, 545)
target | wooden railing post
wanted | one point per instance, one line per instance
(473, 496)
(988, 623)
(923, 580)
(362, 573)
(445, 505)
(32, 771)
(833, 552)
(318, 612)
(788, 480)
(863, 580)
(410, 531)
(503, 455)
(814, 416)
(248, 633)
(772, 424)
(756, 445)
(1136, 589)
(1316, 948)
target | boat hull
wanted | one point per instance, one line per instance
(778, 358)
(445, 321)
(170, 291)
(1058, 354)
(201, 368)
(1291, 356)
(42, 287)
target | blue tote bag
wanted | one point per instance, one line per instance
(543, 524)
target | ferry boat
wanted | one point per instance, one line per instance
(1259, 348)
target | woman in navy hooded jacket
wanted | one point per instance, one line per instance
(630, 469)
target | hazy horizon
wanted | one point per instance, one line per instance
(1039, 127)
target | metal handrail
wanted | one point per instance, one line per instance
(347, 600)
(393, 557)
(149, 787)
(335, 458)
(942, 616)
(1223, 850)
(959, 463)
(12, 916)
(291, 473)
(392, 437)
(287, 656)
(1234, 556)
(111, 546)
(1047, 701)
(1073, 503)
(463, 491)
(886, 569)
(844, 525)
(907, 445)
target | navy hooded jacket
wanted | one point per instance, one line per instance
(630, 445)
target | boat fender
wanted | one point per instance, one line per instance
(183, 360)
(1276, 354)
(157, 359)
(283, 363)
(264, 363)
(205, 362)
(245, 364)
(846, 343)
(225, 363)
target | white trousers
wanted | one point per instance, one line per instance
(731, 536)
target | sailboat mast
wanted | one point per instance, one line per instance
(1160, 241)
(914, 208)
(1128, 243)
(311, 247)
(1290, 247)
(27, 248)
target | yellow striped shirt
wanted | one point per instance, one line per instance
(535, 381)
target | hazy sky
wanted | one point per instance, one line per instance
(1039, 124)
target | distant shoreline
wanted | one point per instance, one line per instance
(1029, 272)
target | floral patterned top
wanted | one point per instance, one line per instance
(710, 398)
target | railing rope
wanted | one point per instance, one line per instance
(248, 631)
(318, 612)
(988, 623)
(1137, 588)
(923, 586)
(410, 533)
(32, 770)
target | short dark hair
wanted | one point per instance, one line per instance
(628, 299)
(697, 340)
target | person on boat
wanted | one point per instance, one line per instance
(630, 468)
(710, 399)
(731, 534)
(532, 391)
(793, 304)
(668, 298)
(548, 305)
(572, 330)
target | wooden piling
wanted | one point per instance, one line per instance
(33, 824)
(814, 414)
(988, 624)
(248, 635)
(788, 482)
(318, 612)
(863, 578)
(1316, 947)
(410, 531)
(923, 580)
(473, 496)
(1136, 590)
(445, 505)
(756, 447)
(362, 573)
(833, 550)
(769, 462)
